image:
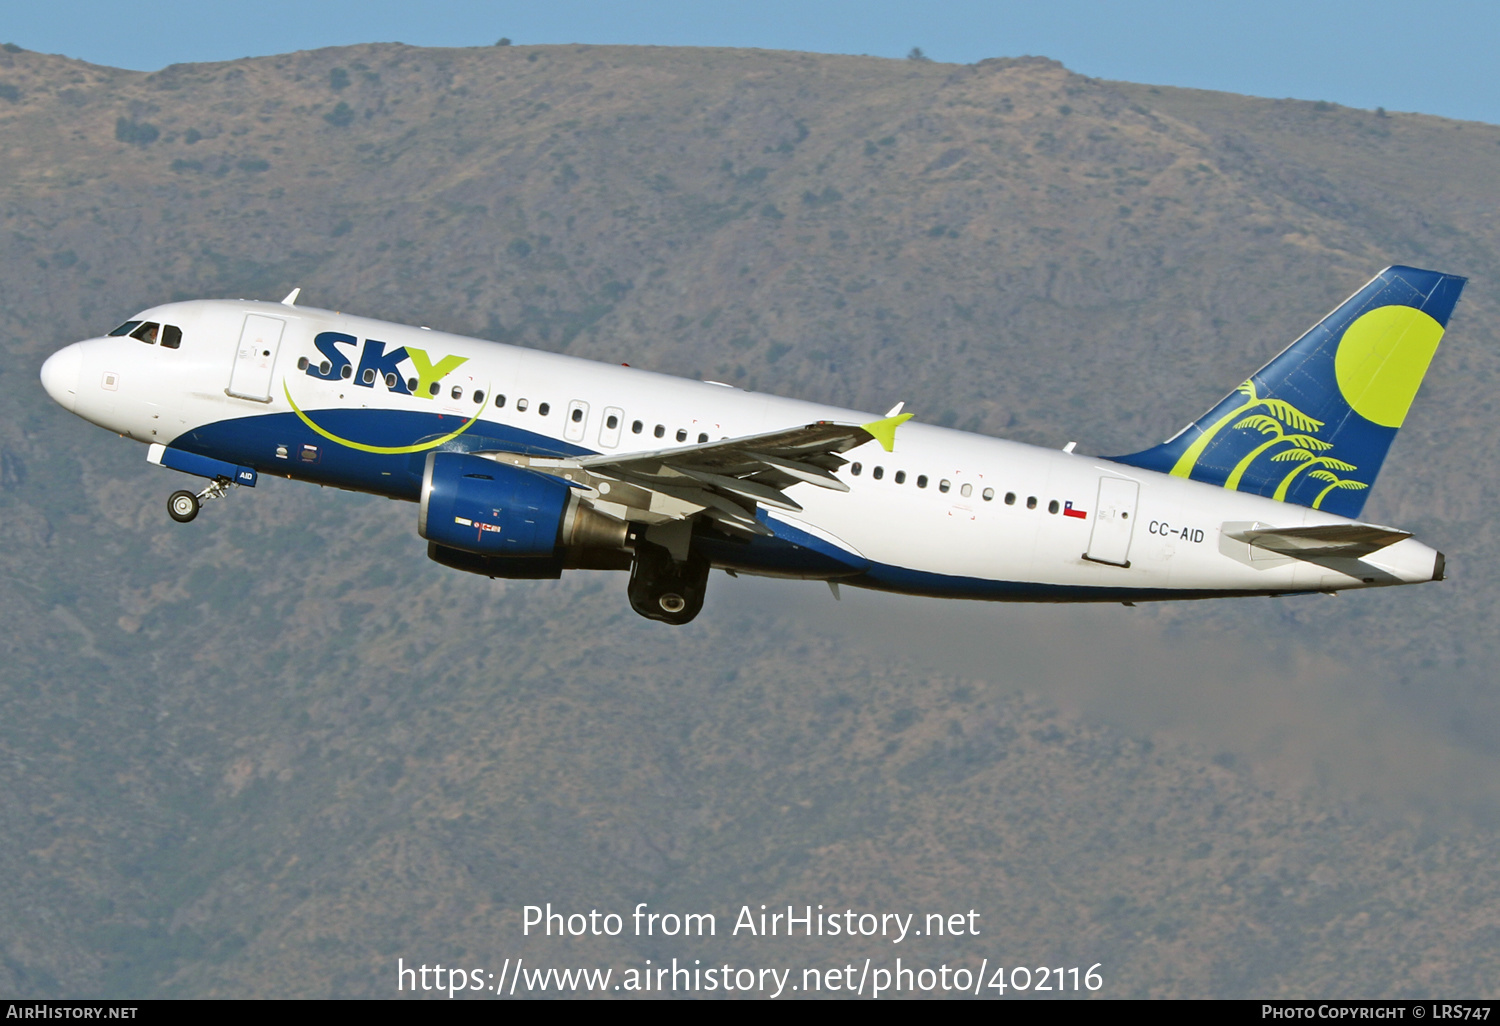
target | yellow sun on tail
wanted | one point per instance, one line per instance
(1381, 361)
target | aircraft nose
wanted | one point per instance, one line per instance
(60, 376)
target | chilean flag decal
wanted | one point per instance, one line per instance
(1069, 511)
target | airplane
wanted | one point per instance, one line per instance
(524, 463)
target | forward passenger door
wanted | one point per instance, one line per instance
(255, 358)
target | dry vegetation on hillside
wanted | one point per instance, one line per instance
(270, 752)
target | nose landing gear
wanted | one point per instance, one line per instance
(664, 589)
(183, 506)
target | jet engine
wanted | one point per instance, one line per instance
(487, 517)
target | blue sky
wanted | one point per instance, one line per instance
(1437, 58)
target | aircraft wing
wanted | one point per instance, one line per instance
(723, 481)
(1323, 541)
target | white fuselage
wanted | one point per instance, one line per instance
(945, 527)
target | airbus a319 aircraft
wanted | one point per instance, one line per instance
(524, 463)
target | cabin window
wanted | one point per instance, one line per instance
(171, 336)
(457, 393)
(346, 373)
(855, 468)
(411, 385)
(921, 480)
(478, 396)
(499, 402)
(659, 430)
(878, 473)
(944, 485)
(1010, 498)
(681, 434)
(611, 422)
(966, 491)
(146, 333)
(1031, 502)
(901, 477)
(636, 428)
(125, 329)
(390, 381)
(302, 363)
(324, 368)
(521, 405)
(702, 437)
(577, 416)
(368, 377)
(1053, 507)
(433, 388)
(544, 409)
(989, 494)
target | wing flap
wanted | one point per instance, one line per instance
(746, 487)
(722, 481)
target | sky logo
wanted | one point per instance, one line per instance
(421, 378)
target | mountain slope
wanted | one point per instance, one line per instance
(273, 751)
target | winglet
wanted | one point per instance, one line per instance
(884, 431)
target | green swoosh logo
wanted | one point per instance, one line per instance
(383, 450)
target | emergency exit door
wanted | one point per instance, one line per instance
(1114, 520)
(255, 358)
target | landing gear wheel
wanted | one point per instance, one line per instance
(662, 588)
(183, 506)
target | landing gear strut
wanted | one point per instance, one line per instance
(183, 505)
(664, 589)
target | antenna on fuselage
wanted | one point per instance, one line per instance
(291, 297)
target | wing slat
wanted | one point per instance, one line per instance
(722, 481)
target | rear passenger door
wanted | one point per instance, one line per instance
(1114, 521)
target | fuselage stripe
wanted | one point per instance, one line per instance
(384, 450)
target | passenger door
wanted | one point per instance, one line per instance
(1114, 520)
(255, 358)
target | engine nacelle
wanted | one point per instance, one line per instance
(491, 518)
(493, 509)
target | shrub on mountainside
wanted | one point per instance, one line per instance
(341, 116)
(139, 133)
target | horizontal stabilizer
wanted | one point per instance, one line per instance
(1350, 541)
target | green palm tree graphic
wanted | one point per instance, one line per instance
(1308, 461)
(1272, 427)
(1280, 409)
(1336, 482)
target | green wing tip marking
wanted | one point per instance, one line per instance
(884, 431)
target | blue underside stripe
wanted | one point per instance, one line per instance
(255, 441)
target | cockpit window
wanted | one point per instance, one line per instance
(171, 336)
(147, 332)
(125, 329)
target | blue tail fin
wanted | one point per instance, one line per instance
(1313, 426)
